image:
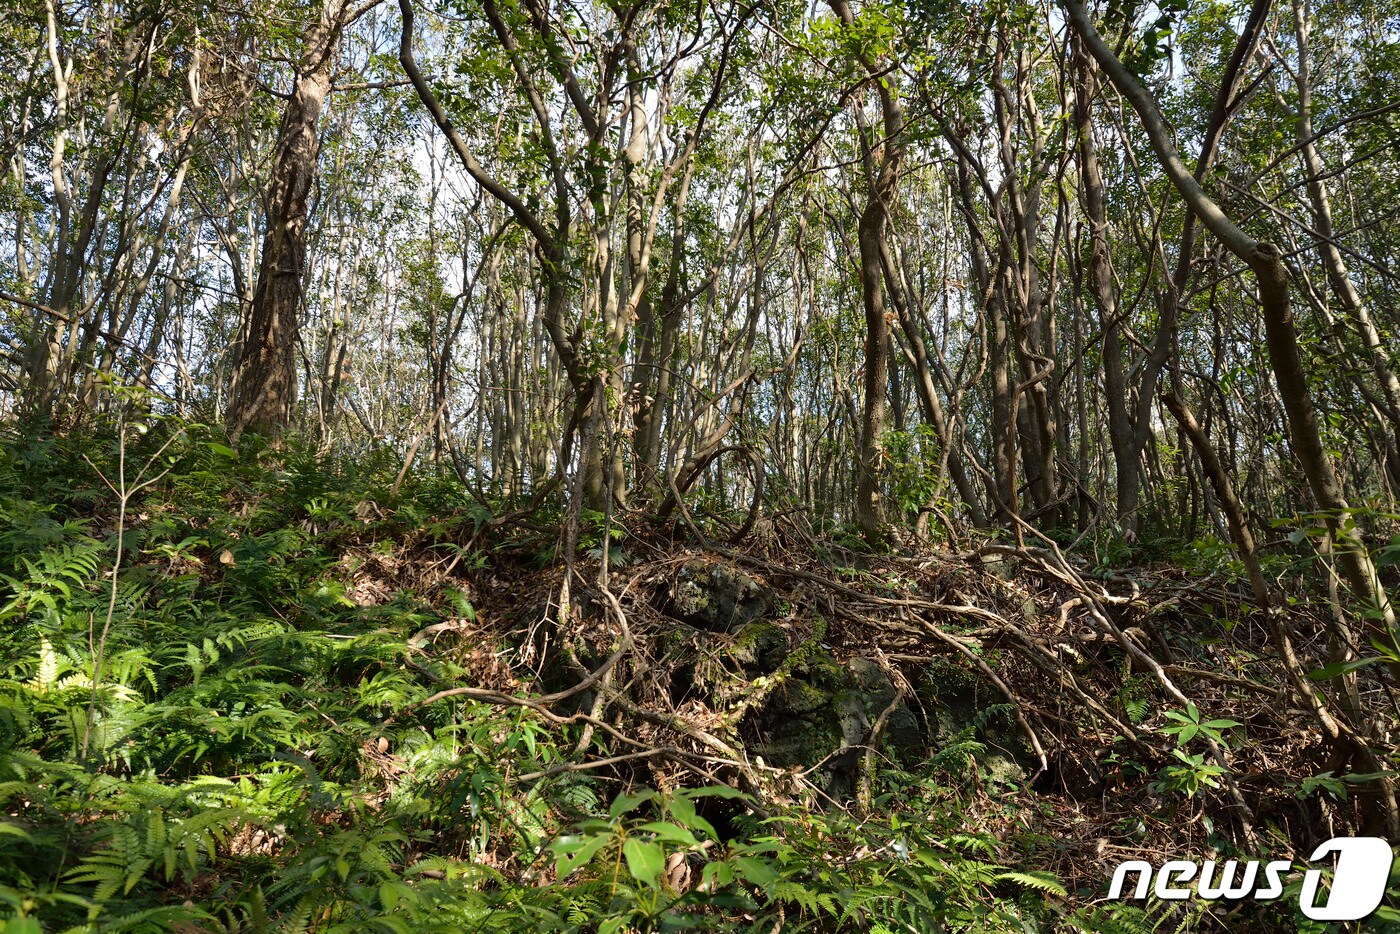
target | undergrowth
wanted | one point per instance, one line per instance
(199, 731)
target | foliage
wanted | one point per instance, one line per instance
(243, 772)
(1189, 725)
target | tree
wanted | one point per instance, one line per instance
(264, 385)
(880, 157)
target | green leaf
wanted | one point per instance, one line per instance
(755, 871)
(14, 831)
(1039, 880)
(645, 860)
(717, 874)
(572, 852)
(1340, 668)
(1184, 734)
(683, 810)
(1388, 652)
(667, 831)
(625, 803)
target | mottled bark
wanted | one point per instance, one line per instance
(265, 375)
(1115, 385)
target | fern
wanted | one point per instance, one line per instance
(1035, 879)
(235, 750)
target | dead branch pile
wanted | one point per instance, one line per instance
(1089, 666)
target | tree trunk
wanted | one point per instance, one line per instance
(925, 391)
(869, 506)
(1115, 384)
(1281, 337)
(881, 158)
(1338, 276)
(265, 375)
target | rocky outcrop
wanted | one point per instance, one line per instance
(964, 708)
(716, 596)
(823, 713)
(780, 690)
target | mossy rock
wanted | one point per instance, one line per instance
(902, 735)
(1006, 567)
(958, 700)
(759, 648)
(796, 698)
(677, 641)
(823, 706)
(716, 596)
(798, 724)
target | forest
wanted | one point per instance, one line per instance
(628, 466)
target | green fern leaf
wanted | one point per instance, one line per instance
(1035, 879)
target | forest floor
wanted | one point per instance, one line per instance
(272, 692)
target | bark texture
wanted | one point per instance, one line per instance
(265, 369)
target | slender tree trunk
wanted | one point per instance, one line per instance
(998, 341)
(1017, 207)
(1338, 276)
(882, 176)
(1115, 385)
(869, 506)
(1281, 337)
(1381, 802)
(932, 407)
(264, 385)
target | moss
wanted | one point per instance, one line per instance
(755, 633)
(958, 699)
(676, 640)
(814, 663)
(791, 740)
(760, 648)
(717, 596)
(801, 697)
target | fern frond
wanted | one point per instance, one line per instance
(1039, 880)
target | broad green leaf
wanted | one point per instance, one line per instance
(668, 831)
(572, 852)
(683, 810)
(1340, 668)
(755, 871)
(625, 803)
(645, 860)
